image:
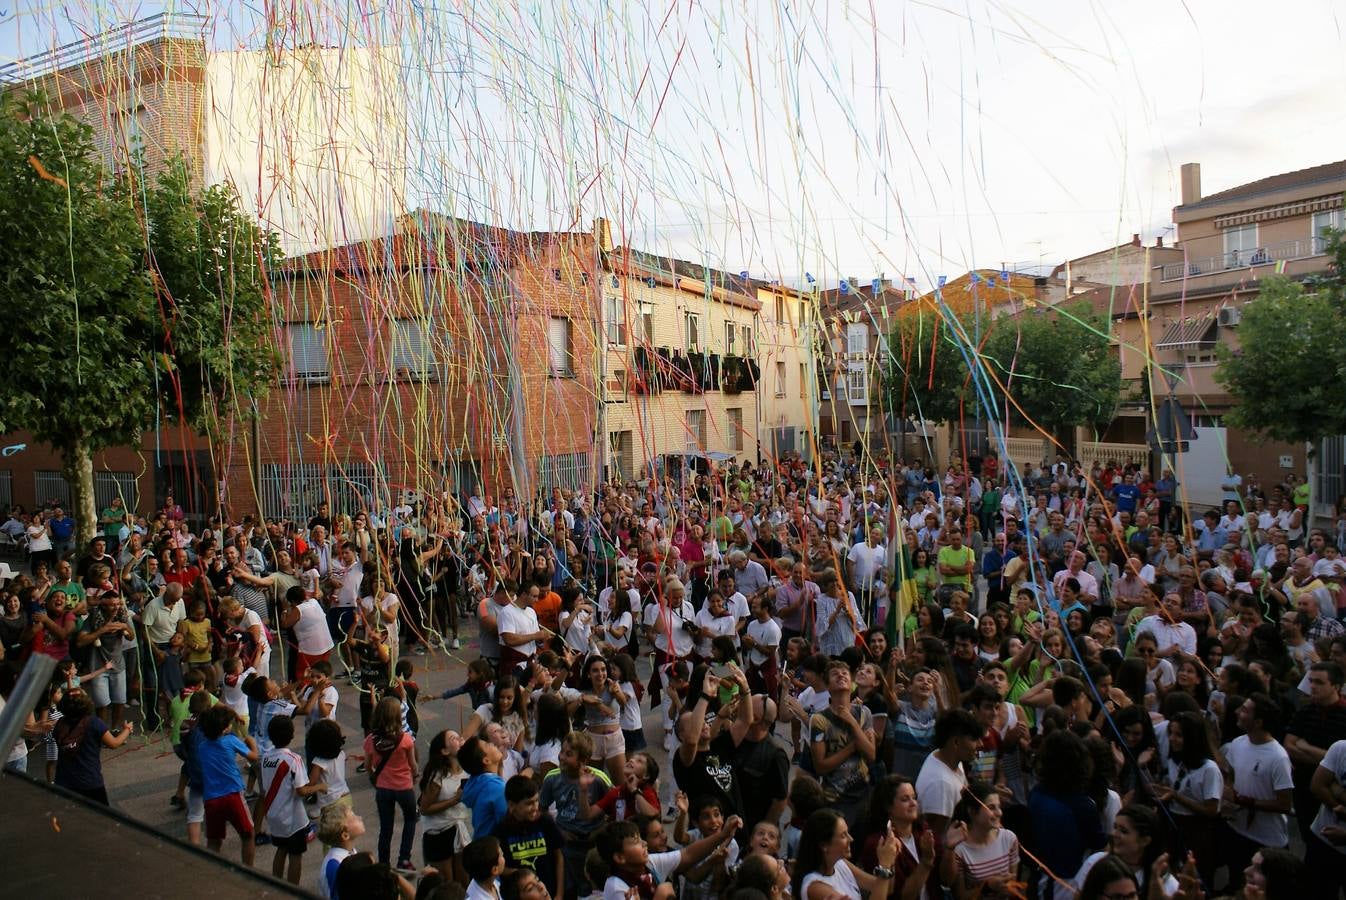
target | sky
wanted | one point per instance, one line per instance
(822, 138)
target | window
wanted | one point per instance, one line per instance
(49, 486)
(780, 379)
(803, 313)
(780, 308)
(647, 324)
(730, 332)
(308, 353)
(749, 348)
(411, 348)
(735, 429)
(107, 485)
(623, 455)
(696, 430)
(693, 333)
(1329, 218)
(6, 489)
(857, 385)
(857, 339)
(617, 382)
(1240, 244)
(563, 470)
(294, 491)
(803, 379)
(558, 347)
(616, 319)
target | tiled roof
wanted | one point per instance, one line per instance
(655, 262)
(1324, 173)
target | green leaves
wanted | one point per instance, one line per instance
(1285, 373)
(927, 375)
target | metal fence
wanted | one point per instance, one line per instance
(296, 490)
(50, 487)
(564, 470)
(1331, 472)
(6, 490)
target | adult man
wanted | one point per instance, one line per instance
(843, 746)
(322, 548)
(796, 598)
(993, 570)
(181, 571)
(734, 601)
(111, 520)
(763, 762)
(349, 575)
(956, 563)
(1052, 544)
(1126, 494)
(519, 631)
(1323, 851)
(942, 779)
(1263, 786)
(704, 762)
(866, 564)
(62, 532)
(750, 576)
(966, 661)
(1172, 635)
(1075, 569)
(1302, 581)
(1210, 537)
(66, 584)
(1316, 726)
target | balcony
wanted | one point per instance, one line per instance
(1241, 259)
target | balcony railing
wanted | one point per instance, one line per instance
(1241, 259)
(123, 37)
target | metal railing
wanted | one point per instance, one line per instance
(296, 490)
(123, 37)
(6, 490)
(1241, 259)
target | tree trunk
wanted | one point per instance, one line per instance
(78, 458)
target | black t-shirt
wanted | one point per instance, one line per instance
(765, 766)
(373, 671)
(711, 773)
(532, 844)
(1321, 726)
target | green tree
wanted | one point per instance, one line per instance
(74, 287)
(118, 293)
(1284, 374)
(927, 375)
(1058, 367)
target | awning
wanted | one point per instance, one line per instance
(1194, 331)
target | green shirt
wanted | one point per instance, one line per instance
(960, 557)
(113, 529)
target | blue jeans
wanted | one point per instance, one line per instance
(387, 800)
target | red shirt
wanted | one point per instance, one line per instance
(185, 577)
(620, 803)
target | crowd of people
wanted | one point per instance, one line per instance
(869, 679)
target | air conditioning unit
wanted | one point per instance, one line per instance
(1229, 316)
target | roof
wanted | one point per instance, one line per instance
(833, 303)
(980, 289)
(1334, 171)
(736, 289)
(1113, 301)
(1192, 331)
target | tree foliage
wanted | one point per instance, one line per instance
(1285, 373)
(1058, 367)
(927, 374)
(120, 300)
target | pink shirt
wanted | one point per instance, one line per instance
(399, 774)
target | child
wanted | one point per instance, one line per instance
(235, 676)
(47, 723)
(221, 783)
(631, 866)
(191, 741)
(705, 880)
(390, 755)
(285, 784)
(484, 792)
(370, 645)
(528, 836)
(765, 839)
(273, 699)
(406, 690)
(338, 828)
(805, 798)
(327, 763)
(512, 762)
(633, 724)
(638, 795)
(446, 819)
(178, 711)
(485, 862)
(310, 577)
(480, 676)
(575, 789)
(319, 698)
(198, 640)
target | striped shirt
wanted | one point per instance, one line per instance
(998, 856)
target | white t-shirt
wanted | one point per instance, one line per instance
(713, 627)
(665, 621)
(1168, 634)
(460, 814)
(1334, 762)
(866, 561)
(814, 701)
(1260, 770)
(334, 776)
(631, 719)
(388, 603)
(766, 633)
(351, 578)
(282, 773)
(939, 787)
(234, 697)
(549, 752)
(512, 619)
(660, 865)
(841, 881)
(1203, 783)
(1170, 881)
(330, 697)
(327, 871)
(311, 631)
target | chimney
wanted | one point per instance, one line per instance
(885, 285)
(1135, 240)
(1159, 242)
(1191, 183)
(603, 235)
(1040, 289)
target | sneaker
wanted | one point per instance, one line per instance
(177, 802)
(454, 645)
(405, 867)
(360, 768)
(133, 702)
(419, 649)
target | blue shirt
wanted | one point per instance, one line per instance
(83, 769)
(219, 768)
(1211, 538)
(1126, 496)
(62, 528)
(485, 796)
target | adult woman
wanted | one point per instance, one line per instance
(837, 621)
(1135, 841)
(1105, 572)
(13, 627)
(1168, 563)
(246, 632)
(1066, 822)
(446, 820)
(506, 707)
(923, 575)
(927, 620)
(921, 865)
(988, 858)
(911, 727)
(1159, 673)
(824, 870)
(602, 701)
(1136, 751)
(1110, 879)
(1192, 789)
(553, 724)
(873, 690)
(40, 547)
(989, 637)
(390, 757)
(80, 737)
(713, 620)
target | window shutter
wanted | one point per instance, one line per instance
(558, 345)
(308, 352)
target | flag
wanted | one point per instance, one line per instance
(1280, 267)
(940, 282)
